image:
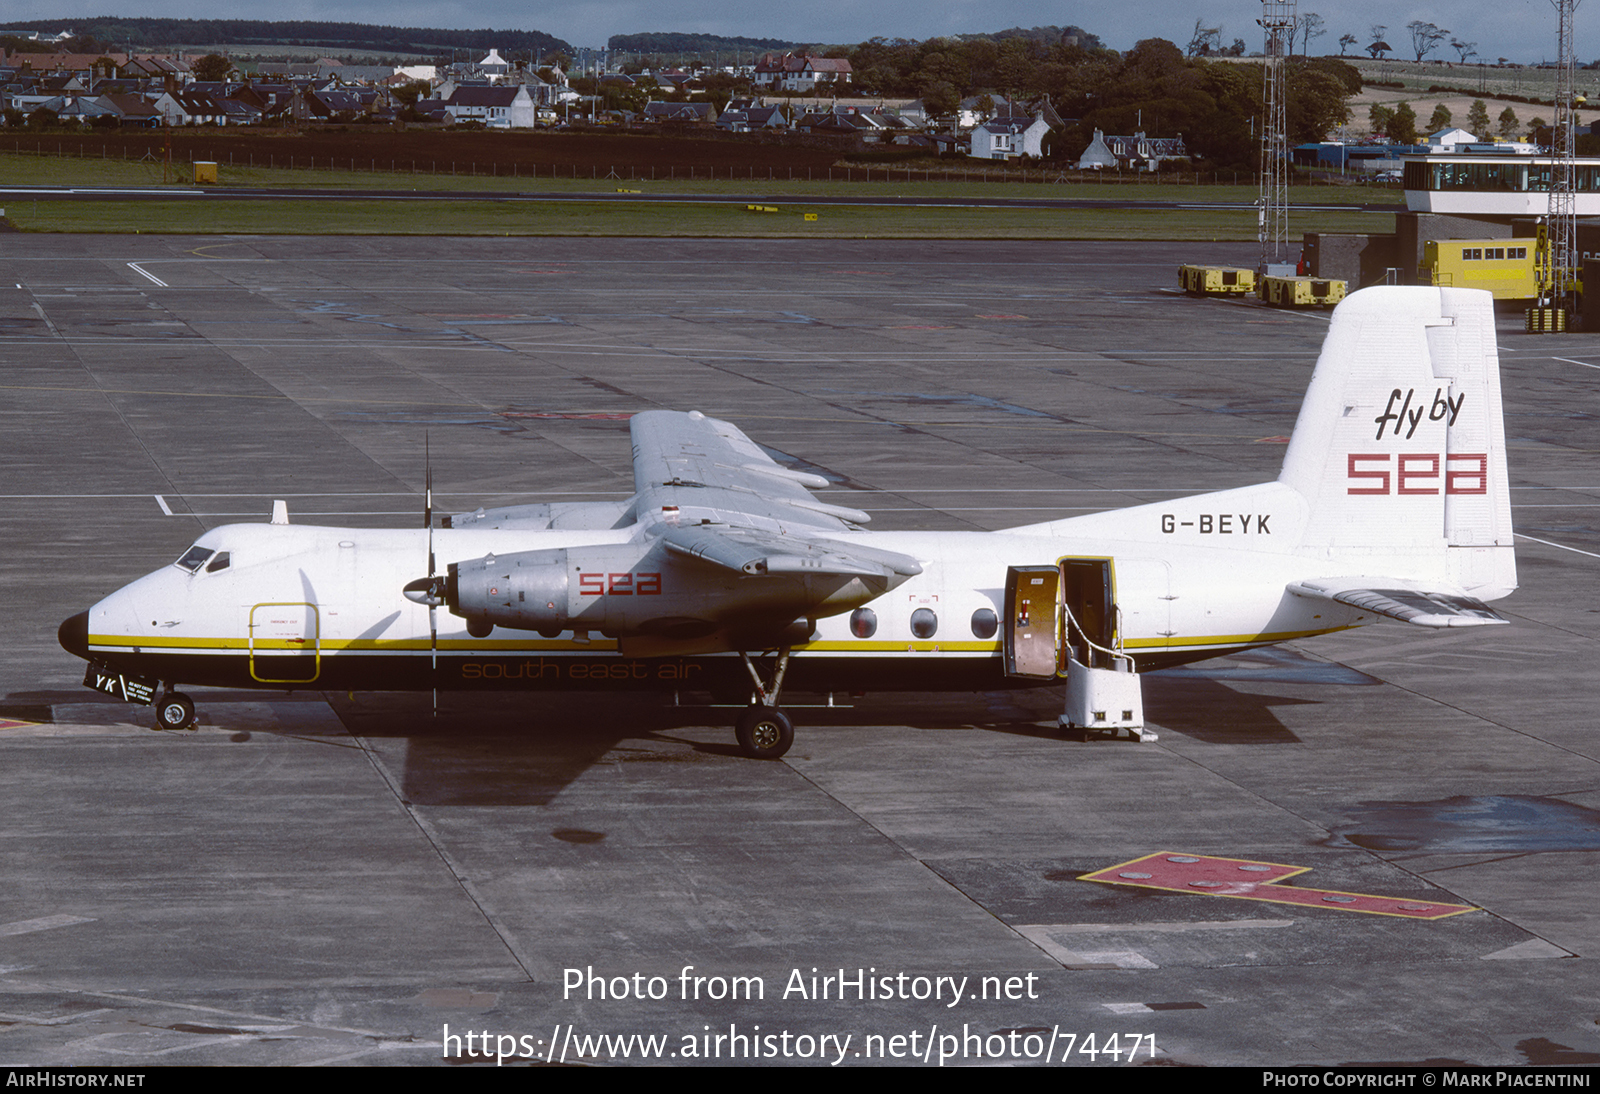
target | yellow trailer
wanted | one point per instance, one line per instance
(1216, 280)
(1301, 292)
(1506, 267)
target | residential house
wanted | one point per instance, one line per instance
(801, 72)
(1010, 137)
(494, 66)
(680, 114)
(132, 110)
(871, 126)
(751, 115)
(1135, 153)
(191, 108)
(508, 106)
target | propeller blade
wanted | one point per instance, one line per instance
(427, 495)
(427, 505)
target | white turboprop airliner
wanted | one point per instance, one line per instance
(724, 573)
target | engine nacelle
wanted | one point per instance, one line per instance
(547, 591)
(640, 589)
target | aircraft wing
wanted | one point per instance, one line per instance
(691, 469)
(1403, 600)
(750, 551)
(714, 496)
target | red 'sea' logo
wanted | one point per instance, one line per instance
(1418, 473)
(598, 584)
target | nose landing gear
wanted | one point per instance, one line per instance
(175, 710)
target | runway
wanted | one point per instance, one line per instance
(324, 878)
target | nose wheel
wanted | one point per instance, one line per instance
(175, 710)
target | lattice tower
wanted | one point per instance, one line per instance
(1272, 212)
(1562, 230)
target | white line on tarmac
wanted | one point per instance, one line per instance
(1561, 546)
(136, 268)
(45, 923)
(1165, 928)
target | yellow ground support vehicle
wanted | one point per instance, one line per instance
(1506, 267)
(1217, 280)
(1301, 292)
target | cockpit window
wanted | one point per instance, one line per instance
(194, 558)
(219, 563)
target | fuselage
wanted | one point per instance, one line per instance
(301, 606)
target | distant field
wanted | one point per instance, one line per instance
(1473, 76)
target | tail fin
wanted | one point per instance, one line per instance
(1400, 444)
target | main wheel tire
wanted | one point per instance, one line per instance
(175, 710)
(764, 733)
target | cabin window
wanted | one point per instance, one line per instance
(984, 623)
(863, 622)
(194, 558)
(924, 623)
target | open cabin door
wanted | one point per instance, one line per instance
(1089, 619)
(1033, 621)
(1058, 613)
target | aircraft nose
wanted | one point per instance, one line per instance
(74, 635)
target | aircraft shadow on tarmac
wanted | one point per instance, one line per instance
(516, 749)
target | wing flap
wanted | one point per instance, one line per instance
(1403, 600)
(748, 551)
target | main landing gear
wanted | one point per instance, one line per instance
(175, 710)
(764, 732)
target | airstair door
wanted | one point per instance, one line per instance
(1033, 621)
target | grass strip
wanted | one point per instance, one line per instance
(197, 216)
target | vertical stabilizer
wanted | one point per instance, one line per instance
(1400, 445)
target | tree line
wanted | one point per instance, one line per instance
(109, 32)
(1214, 105)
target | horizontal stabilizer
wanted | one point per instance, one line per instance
(1402, 600)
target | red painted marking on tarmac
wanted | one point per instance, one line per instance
(1272, 440)
(12, 723)
(1247, 879)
